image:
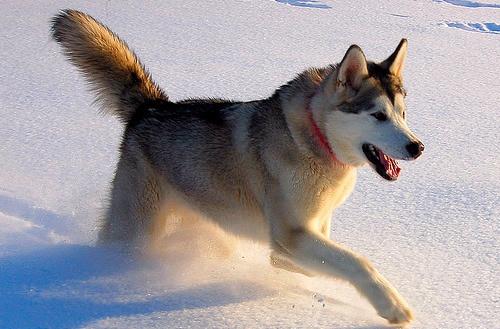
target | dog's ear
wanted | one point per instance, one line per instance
(353, 69)
(395, 63)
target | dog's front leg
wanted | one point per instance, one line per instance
(312, 251)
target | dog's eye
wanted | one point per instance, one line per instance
(380, 116)
(404, 115)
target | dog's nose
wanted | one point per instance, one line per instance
(415, 149)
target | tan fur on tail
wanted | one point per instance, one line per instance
(114, 72)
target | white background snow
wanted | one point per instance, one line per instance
(435, 233)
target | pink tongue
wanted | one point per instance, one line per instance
(390, 165)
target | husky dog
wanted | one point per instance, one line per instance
(271, 170)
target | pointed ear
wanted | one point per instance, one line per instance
(395, 63)
(353, 68)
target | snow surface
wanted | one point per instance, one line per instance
(434, 234)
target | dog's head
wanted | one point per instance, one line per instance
(364, 112)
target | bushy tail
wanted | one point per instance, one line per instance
(114, 72)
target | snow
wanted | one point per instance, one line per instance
(434, 234)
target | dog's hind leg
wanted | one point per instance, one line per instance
(135, 213)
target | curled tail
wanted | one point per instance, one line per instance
(121, 82)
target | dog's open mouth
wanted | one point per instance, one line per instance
(385, 166)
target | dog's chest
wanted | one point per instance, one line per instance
(314, 194)
(341, 188)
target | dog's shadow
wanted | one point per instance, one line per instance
(67, 286)
(55, 288)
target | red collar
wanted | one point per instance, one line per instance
(319, 136)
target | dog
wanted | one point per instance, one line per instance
(271, 170)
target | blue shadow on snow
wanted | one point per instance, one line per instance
(471, 4)
(24, 278)
(25, 210)
(305, 3)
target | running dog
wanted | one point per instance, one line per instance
(272, 170)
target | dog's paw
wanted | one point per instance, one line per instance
(397, 313)
(388, 302)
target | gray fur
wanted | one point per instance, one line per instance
(253, 168)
